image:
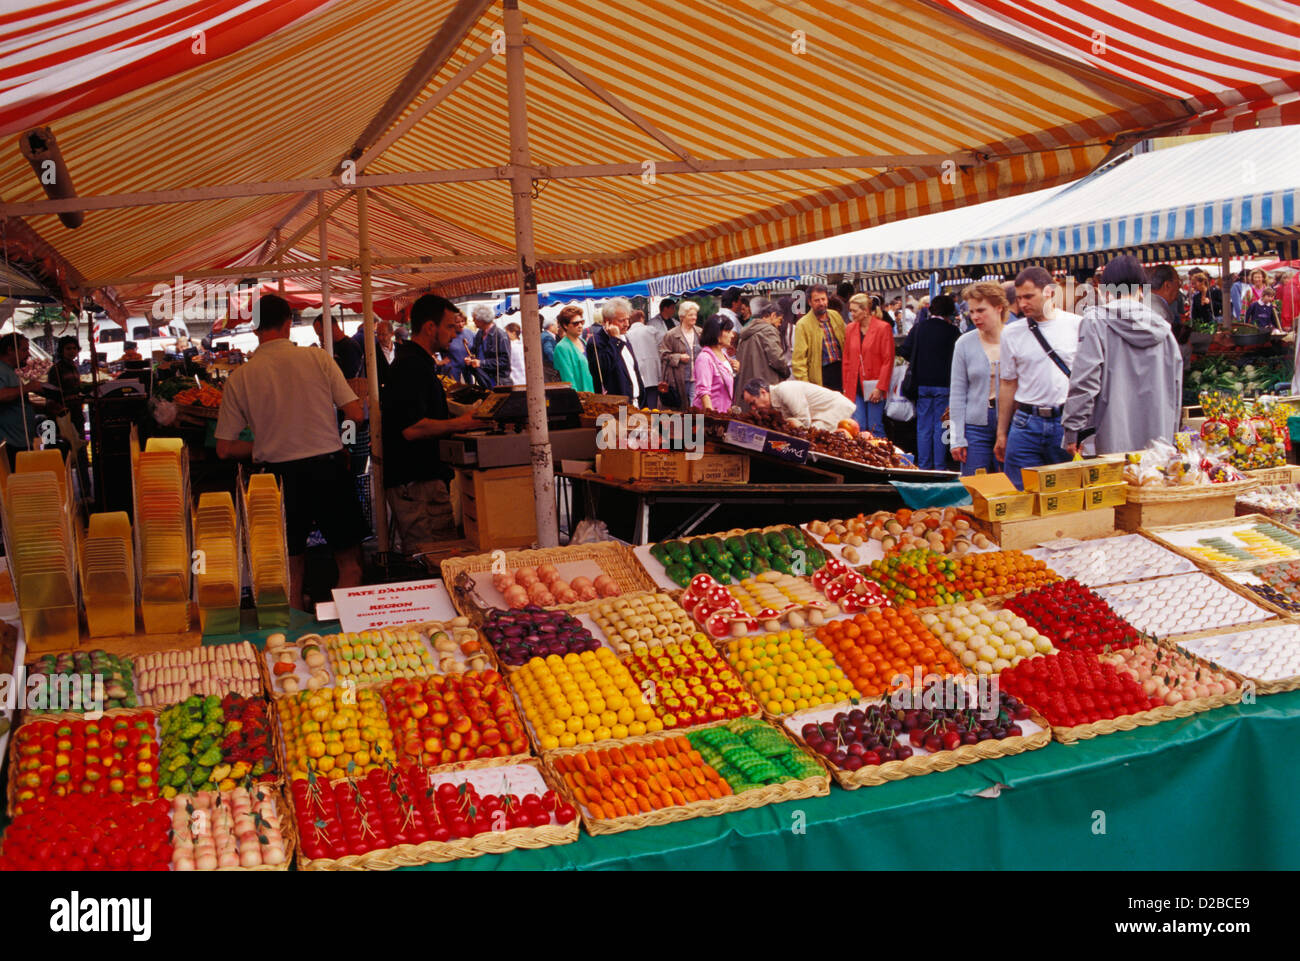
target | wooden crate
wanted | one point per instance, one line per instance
(1017, 535)
(497, 507)
(1132, 517)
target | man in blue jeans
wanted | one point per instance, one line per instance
(1035, 372)
(929, 347)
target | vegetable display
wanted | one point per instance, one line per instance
(737, 557)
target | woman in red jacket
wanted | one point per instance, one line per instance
(868, 361)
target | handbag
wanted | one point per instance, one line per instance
(909, 388)
(898, 407)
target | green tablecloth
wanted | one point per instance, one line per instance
(1216, 790)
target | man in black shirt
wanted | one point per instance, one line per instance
(348, 354)
(415, 417)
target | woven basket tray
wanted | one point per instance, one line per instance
(916, 765)
(288, 831)
(615, 559)
(1280, 686)
(1166, 495)
(1210, 566)
(771, 794)
(1129, 722)
(440, 852)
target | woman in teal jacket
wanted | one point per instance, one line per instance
(570, 357)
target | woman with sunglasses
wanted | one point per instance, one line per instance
(570, 355)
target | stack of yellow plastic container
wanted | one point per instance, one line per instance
(108, 575)
(161, 520)
(38, 525)
(216, 567)
(268, 559)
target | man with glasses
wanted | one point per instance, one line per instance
(570, 355)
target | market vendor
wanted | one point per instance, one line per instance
(415, 416)
(289, 395)
(17, 416)
(800, 402)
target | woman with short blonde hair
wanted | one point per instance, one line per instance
(973, 392)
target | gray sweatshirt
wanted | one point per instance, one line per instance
(1127, 378)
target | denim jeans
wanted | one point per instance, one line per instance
(1031, 442)
(979, 446)
(870, 417)
(931, 454)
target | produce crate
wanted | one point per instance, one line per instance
(1147, 507)
(1032, 531)
(918, 764)
(1288, 626)
(612, 557)
(1161, 536)
(1269, 476)
(758, 797)
(440, 852)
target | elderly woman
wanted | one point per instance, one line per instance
(609, 358)
(677, 356)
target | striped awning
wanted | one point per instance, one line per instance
(1167, 204)
(975, 100)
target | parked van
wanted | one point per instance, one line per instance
(111, 338)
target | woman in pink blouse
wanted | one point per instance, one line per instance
(714, 375)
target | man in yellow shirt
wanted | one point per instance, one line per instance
(819, 342)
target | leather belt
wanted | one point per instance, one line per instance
(1047, 413)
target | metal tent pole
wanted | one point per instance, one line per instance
(327, 322)
(521, 187)
(372, 375)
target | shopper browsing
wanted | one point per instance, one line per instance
(677, 354)
(805, 404)
(1263, 312)
(1126, 383)
(929, 349)
(515, 333)
(759, 348)
(289, 397)
(644, 344)
(570, 352)
(17, 417)
(491, 352)
(868, 361)
(973, 393)
(714, 375)
(348, 354)
(415, 418)
(819, 342)
(1034, 367)
(613, 368)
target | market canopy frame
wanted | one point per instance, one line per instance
(651, 159)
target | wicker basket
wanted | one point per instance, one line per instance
(1129, 722)
(1280, 686)
(1168, 495)
(1209, 566)
(615, 559)
(440, 852)
(11, 786)
(819, 786)
(916, 765)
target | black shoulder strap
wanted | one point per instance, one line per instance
(1042, 342)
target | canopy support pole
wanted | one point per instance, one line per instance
(521, 187)
(327, 321)
(1225, 279)
(279, 260)
(372, 375)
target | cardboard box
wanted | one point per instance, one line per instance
(1058, 502)
(720, 469)
(1051, 478)
(645, 465)
(995, 498)
(1018, 535)
(1102, 471)
(1106, 495)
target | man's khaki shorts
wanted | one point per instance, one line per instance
(422, 511)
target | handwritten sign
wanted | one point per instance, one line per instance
(389, 605)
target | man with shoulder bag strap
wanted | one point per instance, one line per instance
(1035, 376)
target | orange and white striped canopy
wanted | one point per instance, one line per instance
(987, 98)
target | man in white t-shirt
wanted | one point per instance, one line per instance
(1035, 376)
(801, 402)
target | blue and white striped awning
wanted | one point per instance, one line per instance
(1166, 204)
